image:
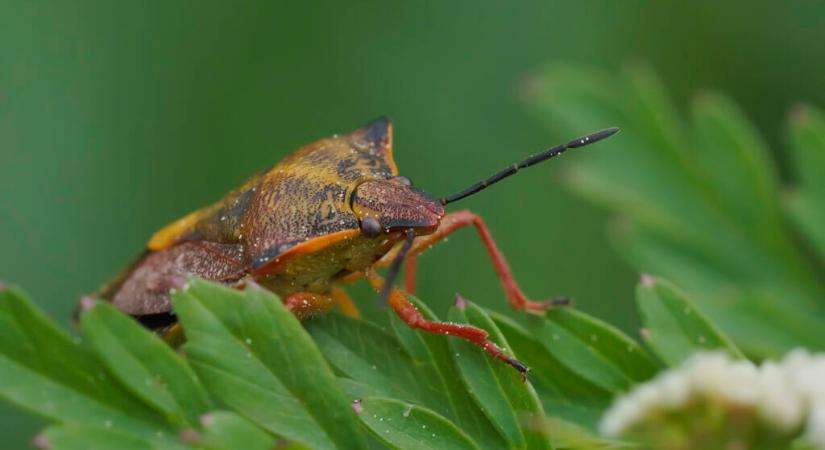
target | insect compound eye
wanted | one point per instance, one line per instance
(403, 180)
(370, 227)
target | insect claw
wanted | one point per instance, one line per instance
(518, 365)
(540, 307)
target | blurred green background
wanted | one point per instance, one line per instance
(116, 119)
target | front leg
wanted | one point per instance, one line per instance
(453, 222)
(414, 319)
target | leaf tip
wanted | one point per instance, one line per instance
(252, 284)
(189, 436)
(207, 419)
(40, 441)
(87, 303)
(460, 302)
(644, 333)
(647, 280)
(178, 282)
(357, 406)
(800, 114)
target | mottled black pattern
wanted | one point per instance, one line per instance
(306, 196)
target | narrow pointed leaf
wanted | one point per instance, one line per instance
(405, 426)
(85, 437)
(737, 163)
(224, 430)
(563, 392)
(674, 328)
(255, 356)
(497, 388)
(463, 410)
(597, 353)
(807, 203)
(145, 364)
(364, 352)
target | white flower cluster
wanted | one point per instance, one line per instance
(786, 395)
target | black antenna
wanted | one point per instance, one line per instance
(395, 266)
(534, 159)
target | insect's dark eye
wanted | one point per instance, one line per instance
(370, 227)
(403, 180)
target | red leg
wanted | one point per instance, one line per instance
(412, 317)
(306, 304)
(457, 220)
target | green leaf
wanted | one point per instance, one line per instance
(497, 388)
(807, 203)
(701, 203)
(737, 164)
(224, 430)
(85, 437)
(572, 436)
(405, 426)
(382, 366)
(563, 392)
(442, 366)
(674, 328)
(364, 352)
(254, 355)
(591, 346)
(595, 351)
(48, 373)
(145, 364)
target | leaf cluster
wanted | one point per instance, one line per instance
(250, 375)
(700, 200)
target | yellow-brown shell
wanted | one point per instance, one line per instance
(300, 204)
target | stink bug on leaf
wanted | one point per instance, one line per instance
(328, 214)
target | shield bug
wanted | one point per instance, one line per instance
(326, 215)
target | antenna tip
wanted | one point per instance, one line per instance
(593, 137)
